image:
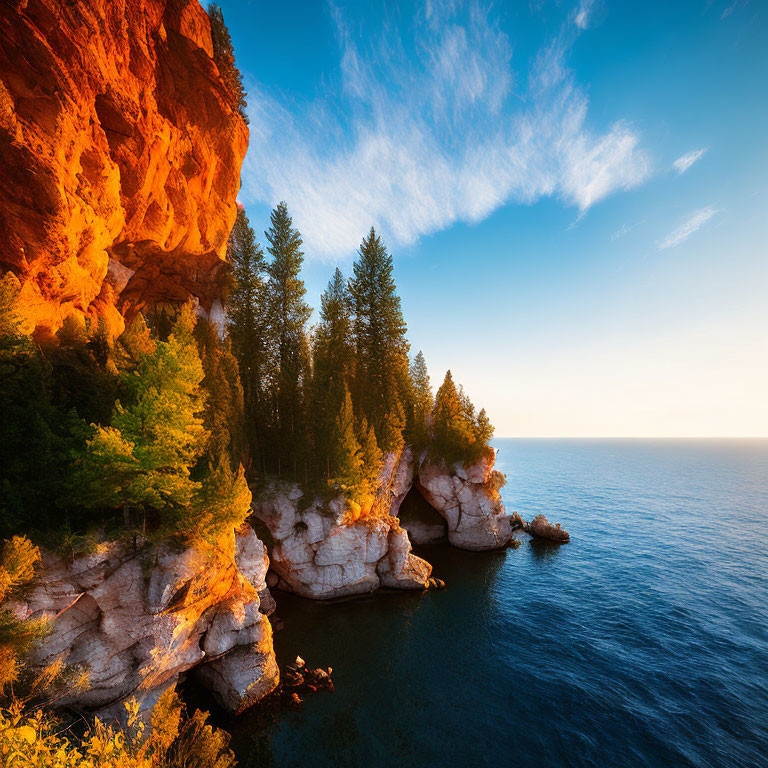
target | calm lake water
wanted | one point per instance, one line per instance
(643, 642)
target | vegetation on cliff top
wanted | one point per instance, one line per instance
(324, 404)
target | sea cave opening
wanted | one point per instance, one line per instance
(422, 521)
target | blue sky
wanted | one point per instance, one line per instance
(575, 193)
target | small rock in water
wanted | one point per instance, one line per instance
(543, 529)
(300, 662)
(296, 699)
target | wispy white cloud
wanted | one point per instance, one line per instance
(693, 223)
(729, 9)
(682, 164)
(419, 134)
(624, 229)
(581, 17)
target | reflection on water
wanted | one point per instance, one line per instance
(541, 549)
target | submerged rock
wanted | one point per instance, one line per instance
(541, 528)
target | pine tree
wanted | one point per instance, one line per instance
(288, 315)
(485, 429)
(371, 456)
(37, 437)
(144, 458)
(422, 400)
(381, 347)
(453, 436)
(333, 357)
(249, 331)
(224, 56)
(346, 458)
(223, 417)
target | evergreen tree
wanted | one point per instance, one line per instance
(458, 435)
(221, 503)
(346, 458)
(333, 356)
(453, 435)
(422, 400)
(248, 329)
(37, 438)
(381, 348)
(288, 315)
(485, 429)
(224, 56)
(144, 458)
(371, 457)
(223, 417)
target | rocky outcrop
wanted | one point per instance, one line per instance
(121, 155)
(319, 552)
(136, 622)
(469, 500)
(541, 528)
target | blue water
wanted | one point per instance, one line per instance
(643, 642)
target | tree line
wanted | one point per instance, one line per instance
(326, 403)
(161, 429)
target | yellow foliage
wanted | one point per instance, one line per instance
(33, 740)
(17, 564)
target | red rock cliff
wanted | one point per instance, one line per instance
(120, 156)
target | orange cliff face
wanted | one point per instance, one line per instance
(120, 157)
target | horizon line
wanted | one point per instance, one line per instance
(630, 437)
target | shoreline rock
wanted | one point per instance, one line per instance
(318, 553)
(541, 528)
(137, 622)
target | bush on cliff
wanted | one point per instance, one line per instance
(176, 740)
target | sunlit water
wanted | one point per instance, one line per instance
(643, 642)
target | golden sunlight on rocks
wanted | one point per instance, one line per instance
(122, 157)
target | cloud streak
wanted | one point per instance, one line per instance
(693, 223)
(682, 164)
(426, 130)
(581, 19)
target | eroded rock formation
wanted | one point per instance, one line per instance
(469, 500)
(318, 552)
(135, 623)
(120, 157)
(541, 528)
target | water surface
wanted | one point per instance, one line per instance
(643, 642)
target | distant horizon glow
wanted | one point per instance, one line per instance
(575, 195)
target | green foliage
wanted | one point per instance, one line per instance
(143, 459)
(221, 504)
(422, 398)
(346, 457)
(458, 435)
(40, 428)
(223, 415)
(248, 328)
(333, 358)
(381, 377)
(224, 56)
(287, 316)
(19, 559)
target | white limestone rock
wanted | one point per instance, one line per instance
(137, 621)
(319, 553)
(469, 500)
